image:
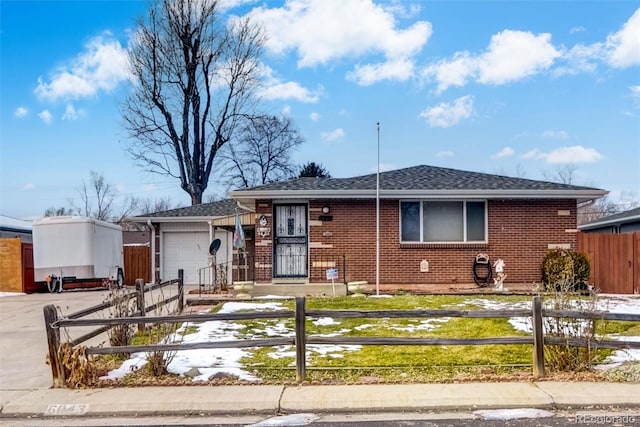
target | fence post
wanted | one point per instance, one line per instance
(53, 341)
(140, 302)
(301, 341)
(538, 338)
(180, 290)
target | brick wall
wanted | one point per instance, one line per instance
(519, 233)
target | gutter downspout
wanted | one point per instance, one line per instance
(153, 251)
(246, 208)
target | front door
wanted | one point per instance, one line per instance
(290, 242)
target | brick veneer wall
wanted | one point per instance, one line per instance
(519, 233)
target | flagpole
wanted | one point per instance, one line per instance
(378, 217)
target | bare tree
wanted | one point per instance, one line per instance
(565, 174)
(194, 77)
(262, 152)
(97, 198)
(61, 211)
(147, 206)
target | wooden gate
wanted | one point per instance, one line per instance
(137, 264)
(615, 261)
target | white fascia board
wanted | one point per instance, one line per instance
(434, 194)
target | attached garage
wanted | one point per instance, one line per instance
(180, 239)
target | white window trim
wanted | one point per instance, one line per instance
(464, 216)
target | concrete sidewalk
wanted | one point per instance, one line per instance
(264, 399)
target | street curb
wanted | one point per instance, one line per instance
(271, 400)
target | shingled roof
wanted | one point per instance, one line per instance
(632, 215)
(205, 210)
(419, 181)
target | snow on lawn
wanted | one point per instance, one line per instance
(210, 362)
(627, 304)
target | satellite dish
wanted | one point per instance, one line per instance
(214, 246)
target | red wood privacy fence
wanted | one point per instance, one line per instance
(615, 261)
(137, 264)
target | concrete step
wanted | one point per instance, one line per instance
(300, 289)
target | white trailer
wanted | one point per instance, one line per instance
(72, 249)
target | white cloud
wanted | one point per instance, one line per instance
(577, 29)
(532, 154)
(45, 116)
(574, 154)
(449, 114)
(333, 135)
(635, 91)
(555, 134)
(289, 90)
(274, 88)
(101, 67)
(314, 116)
(29, 186)
(624, 45)
(70, 113)
(510, 56)
(445, 153)
(366, 75)
(322, 31)
(514, 55)
(505, 152)
(21, 112)
(581, 58)
(286, 110)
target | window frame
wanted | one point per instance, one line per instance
(464, 221)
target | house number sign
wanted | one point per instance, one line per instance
(263, 230)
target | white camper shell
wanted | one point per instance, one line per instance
(77, 249)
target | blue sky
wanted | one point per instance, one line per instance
(518, 88)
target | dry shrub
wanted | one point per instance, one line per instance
(123, 305)
(159, 361)
(563, 271)
(79, 372)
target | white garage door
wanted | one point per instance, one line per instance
(187, 250)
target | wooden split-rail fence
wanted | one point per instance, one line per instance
(537, 339)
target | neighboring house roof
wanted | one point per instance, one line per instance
(419, 182)
(620, 218)
(12, 224)
(204, 212)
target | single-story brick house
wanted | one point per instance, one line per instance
(432, 223)
(180, 239)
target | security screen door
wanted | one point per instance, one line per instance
(290, 242)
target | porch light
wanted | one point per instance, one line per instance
(325, 209)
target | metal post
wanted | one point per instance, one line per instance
(301, 341)
(180, 290)
(140, 302)
(53, 340)
(378, 217)
(538, 338)
(344, 269)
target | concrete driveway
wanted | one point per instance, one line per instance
(23, 341)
